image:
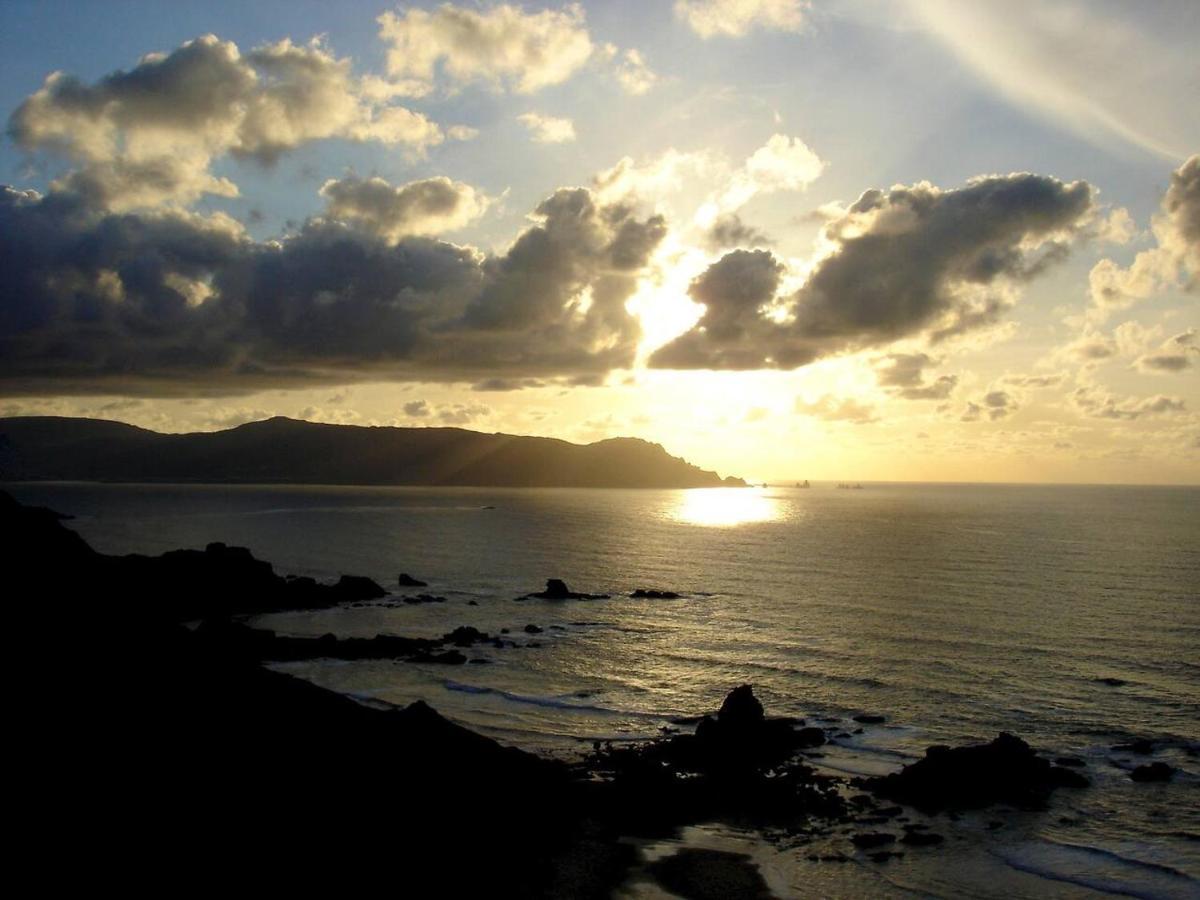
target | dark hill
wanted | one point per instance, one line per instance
(287, 451)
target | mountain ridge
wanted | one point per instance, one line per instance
(281, 450)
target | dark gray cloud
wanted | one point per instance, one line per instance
(904, 374)
(174, 302)
(912, 260)
(429, 206)
(1182, 207)
(730, 231)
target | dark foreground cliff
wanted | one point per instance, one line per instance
(287, 451)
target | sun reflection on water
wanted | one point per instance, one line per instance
(725, 507)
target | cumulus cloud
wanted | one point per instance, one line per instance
(1035, 381)
(503, 46)
(834, 409)
(1176, 354)
(431, 206)
(995, 405)
(782, 164)
(904, 374)
(416, 409)
(910, 261)
(174, 302)
(147, 136)
(735, 18)
(548, 129)
(1099, 404)
(730, 231)
(1174, 260)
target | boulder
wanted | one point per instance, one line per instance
(1006, 770)
(1158, 771)
(350, 588)
(407, 580)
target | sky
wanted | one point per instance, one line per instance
(837, 239)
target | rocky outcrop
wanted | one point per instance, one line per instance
(1006, 770)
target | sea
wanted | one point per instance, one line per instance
(1067, 615)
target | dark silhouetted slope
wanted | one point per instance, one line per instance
(287, 451)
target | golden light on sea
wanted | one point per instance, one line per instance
(725, 507)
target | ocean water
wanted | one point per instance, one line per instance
(1069, 615)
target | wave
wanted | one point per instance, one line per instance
(550, 702)
(1099, 869)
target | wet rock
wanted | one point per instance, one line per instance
(872, 839)
(1142, 747)
(465, 636)
(885, 855)
(1073, 762)
(556, 589)
(650, 594)
(700, 874)
(866, 719)
(416, 599)
(1112, 682)
(922, 839)
(350, 588)
(1006, 770)
(1158, 771)
(741, 709)
(406, 580)
(532, 629)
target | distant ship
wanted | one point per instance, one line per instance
(846, 486)
(804, 484)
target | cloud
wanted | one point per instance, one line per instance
(833, 409)
(548, 129)
(172, 302)
(416, 409)
(147, 136)
(1125, 80)
(995, 404)
(910, 261)
(503, 46)
(1098, 404)
(782, 164)
(905, 374)
(462, 414)
(1174, 260)
(1035, 381)
(735, 18)
(730, 231)
(431, 206)
(633, 74)
(1176, 354)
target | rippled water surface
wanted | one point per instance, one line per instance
(1068, 615)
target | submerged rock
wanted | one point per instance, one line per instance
(1006, 770)
(1158, 771)
(406, 580)
(650, 594)
(701, 874)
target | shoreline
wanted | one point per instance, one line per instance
(219, 685)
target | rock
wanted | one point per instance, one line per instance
(872, 839)
(921, 839)
(865, 719)
(1006, 770)
(556, 589)
(1158, 771)
(1112, 682)
(1142, 747)
(700, 874)
(644, 594)
(1073, 762)
(357, 587)
(465, 636)
(532, 629)
(741, 709)
(406, 580)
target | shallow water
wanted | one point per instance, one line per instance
(1068, 615)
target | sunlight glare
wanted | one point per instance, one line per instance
(725, 507)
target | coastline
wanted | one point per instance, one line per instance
(501, 803)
